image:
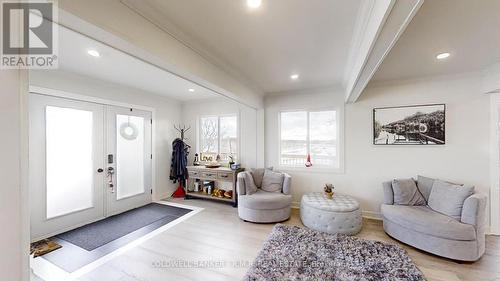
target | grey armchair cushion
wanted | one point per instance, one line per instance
(272, 181)
(258, 175)
(250, 186)
(263, 200)
(407, 193)
(424, 185)
(424, 220)
(388, 193)
(287, 183)
(448, 198)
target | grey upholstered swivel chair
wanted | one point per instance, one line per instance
(263, 206)
(428, 230)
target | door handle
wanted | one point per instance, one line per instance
(100, 170)
(111, 171)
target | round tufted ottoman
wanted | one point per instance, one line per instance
(338, 215)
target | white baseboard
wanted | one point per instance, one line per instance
(372, 215)
(162, 196)
(492, 231)
(366, 214)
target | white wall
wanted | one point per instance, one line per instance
(15, 248)
(168, 113)
(495, 161)
(191, 111)
(491, 78)
(464, 158)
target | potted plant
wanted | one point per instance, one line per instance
(329, 190)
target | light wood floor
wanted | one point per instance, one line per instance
(217, 234)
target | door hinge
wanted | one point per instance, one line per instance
(151, 191)
(151, 121)
(151, 156)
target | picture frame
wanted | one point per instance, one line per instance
(410, 125)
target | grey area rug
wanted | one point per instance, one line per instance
(294, 253)
(97, 234)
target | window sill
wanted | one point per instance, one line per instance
(317, 170)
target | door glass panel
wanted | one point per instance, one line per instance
(69, 160)
(129, 156)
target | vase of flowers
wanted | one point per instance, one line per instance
(329, 190)
(231, 160)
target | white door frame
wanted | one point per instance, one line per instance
(495, 163)
(85, 98)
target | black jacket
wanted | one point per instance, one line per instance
(178, 166)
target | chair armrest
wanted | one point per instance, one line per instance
(388, 193)
(240, 184)
(287, 183)
(474, 210)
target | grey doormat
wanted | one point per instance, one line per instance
(294, 253)
(97, 234)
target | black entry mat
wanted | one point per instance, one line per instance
(97, 234)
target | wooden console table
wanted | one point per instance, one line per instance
(203, 175)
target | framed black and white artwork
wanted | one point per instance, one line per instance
(414, 124)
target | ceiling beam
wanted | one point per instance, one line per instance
(380, 24)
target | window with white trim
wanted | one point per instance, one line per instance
(218, 135)
(309, 139)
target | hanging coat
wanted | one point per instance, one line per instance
(178, 166)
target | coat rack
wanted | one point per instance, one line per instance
(182, 130)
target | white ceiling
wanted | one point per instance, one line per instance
(468, 29)
(264, 46)
(118, 67)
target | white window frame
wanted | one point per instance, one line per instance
(238, 133)
(339, 168)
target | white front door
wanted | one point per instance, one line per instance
(65, 152)
(129, 159)
(72, 144)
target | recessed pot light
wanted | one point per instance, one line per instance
(93, 53)
(442, 56)
(254, 4)
(191, 90)
(294, 76)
